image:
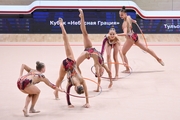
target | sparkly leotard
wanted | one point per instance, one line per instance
(93, 50)
(133, 35)
(23, 81)
(69, 66)
(106, 40)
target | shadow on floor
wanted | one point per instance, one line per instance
(149, 71)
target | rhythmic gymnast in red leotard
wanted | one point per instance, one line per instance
(110, 42)
(69, 67)
(132, 38)
(91, 52)
(26, 84)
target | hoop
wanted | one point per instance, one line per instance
(142, 35)
(114, 78)
(88, 96)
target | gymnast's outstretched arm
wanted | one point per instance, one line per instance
(48, 83)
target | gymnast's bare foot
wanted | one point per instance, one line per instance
(126, 71)
(60, 22)
(86, 105)
(33, 111)
(160, 61)
(70, 106)
(116, 77)
(25, 112)
(56, 95)
(110, 84)
(96, 90)
(81, 15)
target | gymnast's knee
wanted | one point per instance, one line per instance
(124, 53)
(147, 50)
(38, 92)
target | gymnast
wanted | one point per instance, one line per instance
(69, 66)
(132, 38)
(90, 52)
(26, 84)
(110, 42)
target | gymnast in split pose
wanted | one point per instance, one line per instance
(69, 67)
(90, 52)
(26, 84)
(110, 42)
(132, 38)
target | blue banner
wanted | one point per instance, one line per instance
(97, 22)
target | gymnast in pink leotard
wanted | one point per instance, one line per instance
(69, 67)
(132, 38)
(91, 52)
(26, 84)
(110, 42)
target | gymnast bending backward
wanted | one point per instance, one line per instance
(91, 52)
(69, 67)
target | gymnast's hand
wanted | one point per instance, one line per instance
(116, 36)
(86, 105)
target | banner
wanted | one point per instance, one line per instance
(97, 22)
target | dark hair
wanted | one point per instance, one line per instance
(123, 9)
(39, 66)
(80, 89)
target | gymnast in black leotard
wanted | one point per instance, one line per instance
(69, 67)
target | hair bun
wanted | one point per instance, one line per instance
(37, 63)
(124, 7)
(112, 26)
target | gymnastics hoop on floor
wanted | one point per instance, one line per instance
(88, 96)
(114, 78)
